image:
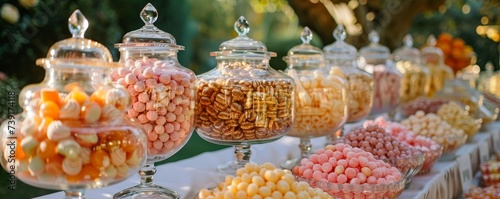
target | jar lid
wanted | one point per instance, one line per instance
(374, 50)
(242, 45)
(407, 52)
(431, 50)
(340, 50)
(305, 53)
(77, 47)
(149, 36)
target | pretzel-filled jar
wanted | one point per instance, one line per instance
(243, 101)
(360, 83)
(320, 97)
(376, 60)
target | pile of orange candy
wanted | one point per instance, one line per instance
(69, 138)
(457, 54)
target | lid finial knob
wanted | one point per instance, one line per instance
(339, 33)
(373, 36)
(77, 24)
(149, 14)
(408, 40)
(306, 35)
(241, 26)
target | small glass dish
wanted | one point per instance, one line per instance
(450, 144)
(409, 166)
(431, 157)
(341, 191)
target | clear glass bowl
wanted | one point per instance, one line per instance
(409, 166)
(105, 154)
(431, 157)
(345, 191)
(450, 144)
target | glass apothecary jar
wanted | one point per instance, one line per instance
(375, 59)
(433, 59)
(320, 97)
(163, 97)
(360, 83)
(416, 78)
(73, 134)
(243, 100)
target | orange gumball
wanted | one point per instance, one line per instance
(100, 159)
(78, 95)
(49, 109)
(445, 37)
(458, 43)
(89, 172)
(20, 154)
(50, 95)
(99, 97)
(457, 53)
(47, 149)
(129, 143)
(42, 128)
(445, 47)
(72, 86)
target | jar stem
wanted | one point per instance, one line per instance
(242, 153)
(335, 136)
(74, 194)
(147, 172)
(305, 147)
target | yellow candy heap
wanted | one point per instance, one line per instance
(454, 115)
(260, 182)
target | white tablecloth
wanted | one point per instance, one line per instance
(190, 175)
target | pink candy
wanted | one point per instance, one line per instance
(162, 96)
(315, 167)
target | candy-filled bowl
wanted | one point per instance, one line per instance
(344, 171)
(432, 155)
(432, 149)
(450, 144)
(408, 165)
(432, 126)
(86, 156)
(261, 181)
(344, 191)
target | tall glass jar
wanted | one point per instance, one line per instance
(243, 100)
(320, 97)
(433, 59)
(360, 83)
(73, 134)
(376, 60)
(416, 78)
(163, 94)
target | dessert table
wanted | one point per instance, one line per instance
(190, 175)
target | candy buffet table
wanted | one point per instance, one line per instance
(190, 175)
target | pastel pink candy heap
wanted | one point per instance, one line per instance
(432, 149)
(384, 146)
(347, 172)
(163, 101)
